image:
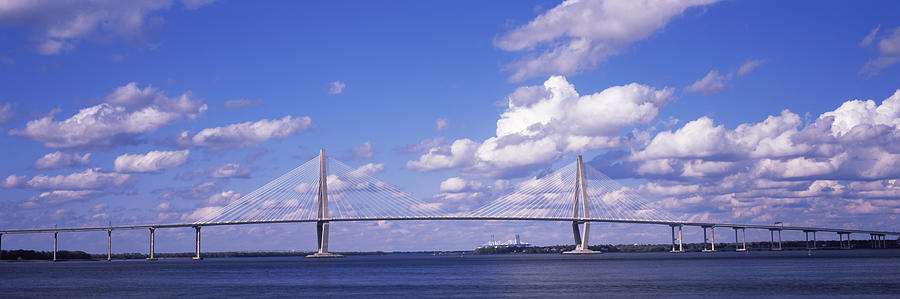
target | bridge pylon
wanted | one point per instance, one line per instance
(321, 223)
(581, 240)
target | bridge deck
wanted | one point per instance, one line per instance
(431, 218)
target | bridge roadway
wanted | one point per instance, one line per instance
(561, 219)
(877, 237)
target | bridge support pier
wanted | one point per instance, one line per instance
(322, 225)
(841, 240)
(772, 238)
(197, 244)
(152, 244)
(581, 242)
(322, 237)
(742, 246)
(108, 245)
(1, 246)
(813, 239)
(54, 245)
(680, 245)
(706, 241)
(880, 240)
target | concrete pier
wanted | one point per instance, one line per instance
(680, 245)
(772, 246)
(197, 245)
(813, 239)
(705, 240)
(843, 245)
(54, 245)
(712, 244)
(878, 240)
(322, 234)
(1, 246)
(152, 244)
(108, 245)
(743, 241)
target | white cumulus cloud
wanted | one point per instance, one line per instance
(423, 146)
(460, 153)
(777, 168)
(246, 133)
(865, 114)
(223, 198)
(336, 87)
(363, 151)
(458, 184)
(59, 160)
(543, 122)
(127, 113)
(89, 179)
(715, 82)
(229, 170)
(460, 195)
(712, 83)
(151, 161)
(578, 35)
(57, 197)
(13, 181)
(367, 170)
(440, 124)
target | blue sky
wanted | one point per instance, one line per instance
(736, 111)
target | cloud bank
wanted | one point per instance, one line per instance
(541, 123)
(59, 25)
(578, 35)
(126, 114)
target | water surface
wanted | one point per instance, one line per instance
(832, 273)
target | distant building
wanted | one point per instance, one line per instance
(517, 243)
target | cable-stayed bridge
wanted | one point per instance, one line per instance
(325, 190)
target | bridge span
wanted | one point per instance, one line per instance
(567, 195)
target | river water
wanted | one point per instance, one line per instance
(832, 273)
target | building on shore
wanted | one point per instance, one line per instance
(515, 243)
